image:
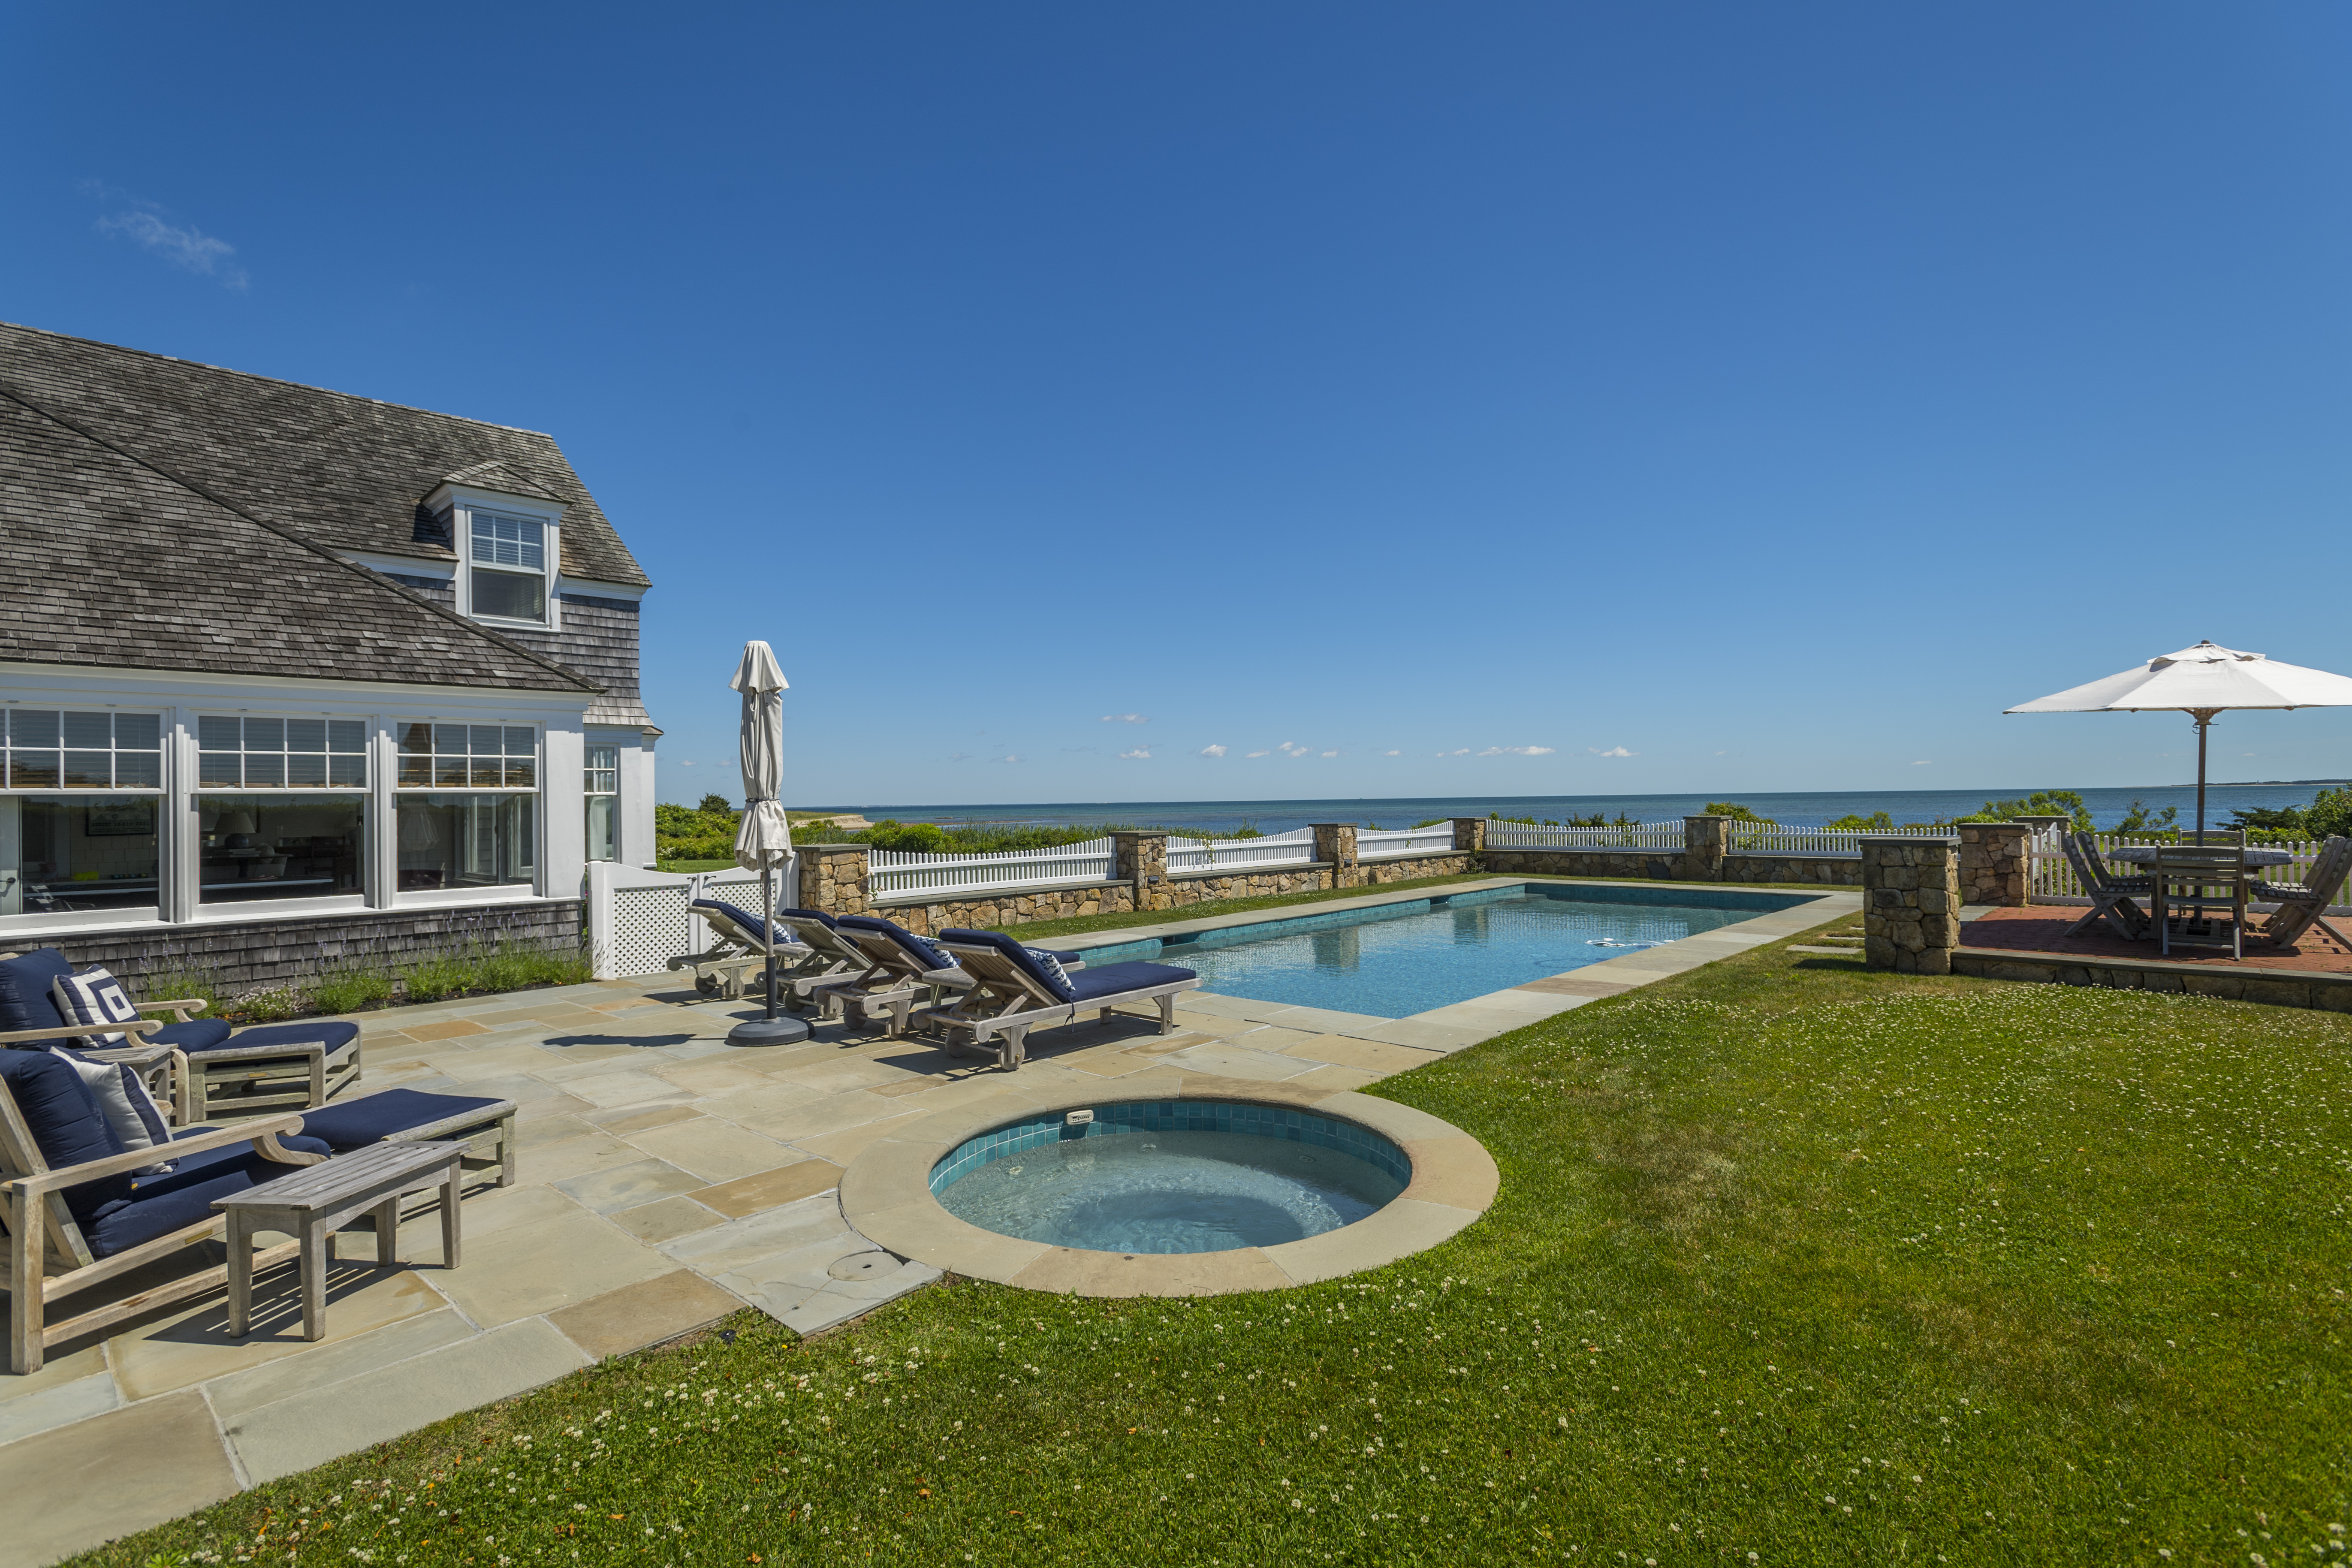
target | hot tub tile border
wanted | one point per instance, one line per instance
(1439, 1158)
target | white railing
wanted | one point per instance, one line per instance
(2054, 881)
(1390, 843)
(639, 921)
(899, 873)
(1296, 847)
(1501, 835)
(1771, 838)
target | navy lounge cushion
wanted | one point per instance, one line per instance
(1113, 978)
(1019, 956)
(916, 948)
(26, 1001)
(336, 1035)
(67, 1123)
(372, 1118)
(195, 1034)
(819, 916)
(745, 919)
(158, 1205)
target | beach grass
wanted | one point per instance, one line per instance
(1794, 1263)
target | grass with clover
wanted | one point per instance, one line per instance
(1793, 1264)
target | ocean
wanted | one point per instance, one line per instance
(1797, 810)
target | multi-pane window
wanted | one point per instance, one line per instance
(234, 752)
(509, 557)
(602, 785)
(51, 748)
(468, 756)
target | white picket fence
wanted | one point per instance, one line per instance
(2054, 881)
(1501, 835)
(1762, 838)
(1394, 844)
(899, 874)
(1296, 847)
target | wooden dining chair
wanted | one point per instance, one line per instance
(2302, 905)
(2198, 879)
(2111, 897)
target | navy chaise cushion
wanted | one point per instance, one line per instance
(159, 1204)
(335, 1035)
(195, 1034)
(25, 999)
(68, 1125)
(372, 1119)
(747, 920)
(819, 916)
(917, 948)
(1113, 978)
(1015, 952)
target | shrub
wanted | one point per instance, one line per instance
(2041, 803)
(1854, 822)
(1737, 813)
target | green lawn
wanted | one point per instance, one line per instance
(1793, 1264)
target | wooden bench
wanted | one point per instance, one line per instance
(314, 1203)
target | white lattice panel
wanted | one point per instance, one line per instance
(649, 930)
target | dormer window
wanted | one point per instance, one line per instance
(508, 559)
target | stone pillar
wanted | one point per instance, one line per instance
(1141, 859)
(833, 878)
(1995, 863)
(1334, 842)
(1705, 841)
(1469, 835)
(1910, 904)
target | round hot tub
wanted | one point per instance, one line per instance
(1171, 1176)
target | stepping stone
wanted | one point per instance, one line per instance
(1841, 952)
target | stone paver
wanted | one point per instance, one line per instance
(666, 1178)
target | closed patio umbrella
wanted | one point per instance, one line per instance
(764, 841)
(2200, 681)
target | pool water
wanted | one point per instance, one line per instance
(1402, 959)
(1172, 1176)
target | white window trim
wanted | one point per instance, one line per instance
(463, 505)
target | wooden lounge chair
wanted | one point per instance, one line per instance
(256, 1072)
(2302, 905)
(1012, 994)
(903, 966)
(77, 1214)
(738, 957)
(2111, 896)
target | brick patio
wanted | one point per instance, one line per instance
(2042, 927)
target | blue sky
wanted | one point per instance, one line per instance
(1515, 399)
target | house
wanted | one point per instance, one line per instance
(290, 673)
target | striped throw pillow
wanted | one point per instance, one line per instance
(93, 997)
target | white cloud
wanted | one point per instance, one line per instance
(1327, 754)
(1141, 754)
(1257, 753)
(1125, 718)
(688, 766)
(1302, 751)
(959, 757)
(1516, 752)
(1924, 763)
(1391, 753)
(1212, 751)
(189, 248)
(1611, 751)
(1008, 757)
(1285, 745)
(1457, 751)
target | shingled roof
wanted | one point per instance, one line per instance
(114, 558)
(345, 471)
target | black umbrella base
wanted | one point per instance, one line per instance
(767, 1032)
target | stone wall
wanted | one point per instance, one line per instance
(1911, 904)
(834, 879)
(1824, 871)
(1996, 864)
(2273, 987)
(1671, 866)
(257, 954)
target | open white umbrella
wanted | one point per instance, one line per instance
(764, 841)
(2200, 681)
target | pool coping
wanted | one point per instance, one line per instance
(1456, 1025)
(886, 1196)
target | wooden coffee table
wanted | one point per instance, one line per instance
(318, 1200)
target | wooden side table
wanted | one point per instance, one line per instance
(318, 1200)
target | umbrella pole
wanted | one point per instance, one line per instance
(767, 927)
(2204, 718)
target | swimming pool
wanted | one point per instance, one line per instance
(1396, 960)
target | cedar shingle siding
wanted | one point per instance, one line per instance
(160, 514)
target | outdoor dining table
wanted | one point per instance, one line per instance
(2196, 917)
